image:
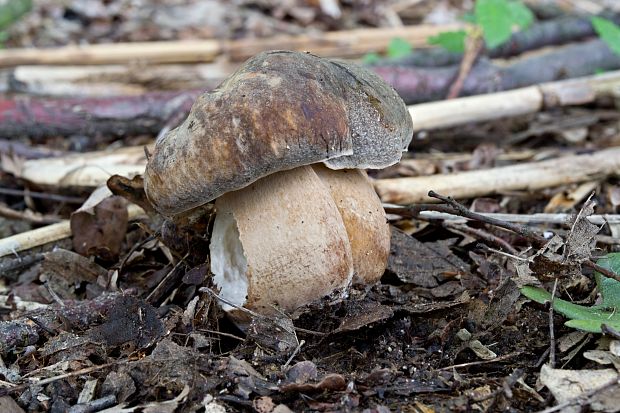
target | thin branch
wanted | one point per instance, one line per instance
(476, 363)
(538, 240)
(473, 47)
(463, 211)
(42, 195)
(483, 235)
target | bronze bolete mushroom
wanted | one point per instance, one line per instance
(280, 144)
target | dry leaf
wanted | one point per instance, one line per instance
(99, 227)
(567, 385)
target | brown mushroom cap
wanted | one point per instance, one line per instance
(279, 111)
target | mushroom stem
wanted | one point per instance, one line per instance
(296, 236)
(293, 239)
(364, 218)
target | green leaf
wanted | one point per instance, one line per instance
(469, 18)
(451, 41)
(591, 326)
(13, 10)
(608, 31)
(497, 18)
(564, 307)
(398, 47)
(521, 15)
(588, 318)
(370, 58)
(608, 287)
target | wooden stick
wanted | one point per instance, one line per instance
(112, 80)
(86, 169)
(526, 176)
(93, 169)
(44, 235)
(152, 112)
(530, 219)
(517, 102)
(339, 43)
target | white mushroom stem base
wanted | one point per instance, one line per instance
(296, 236)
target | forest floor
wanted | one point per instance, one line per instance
(117, 311)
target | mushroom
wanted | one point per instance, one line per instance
(280, 146)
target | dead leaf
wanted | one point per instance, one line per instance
(120, 384)
(447, 289)
(581, 237)
(333, 382)
(363, 313)
(130, 189)
(302, 372)
(602, 357)
(570, 340)
(567, 385)
(130, 320)
(8, 405)
(422, 263)
(502, 304)
(248, 380)
(102, 231)
(197, 275)
(72, 267)
(96, 197)
(276, 332)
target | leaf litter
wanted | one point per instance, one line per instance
(119, 321)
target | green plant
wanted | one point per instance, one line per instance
(588, 318)
(10, 12)
(493, 20)
(608, 31)
(398, 47)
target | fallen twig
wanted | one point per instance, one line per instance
(536, 239)
(44, 235)
(42, 195)
(473, 47)
(117, 116)
(149, 113)
(419, 84)
(426, 211)
(529, 176)
(344, 43)
(27, 216)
